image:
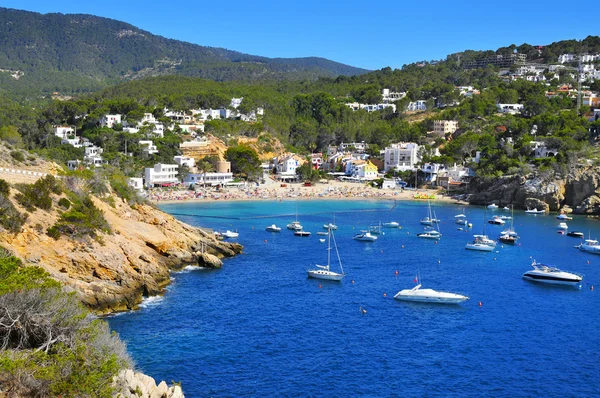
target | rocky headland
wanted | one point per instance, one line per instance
(115, 271)
(577, 192)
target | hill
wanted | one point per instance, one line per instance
(78, 53)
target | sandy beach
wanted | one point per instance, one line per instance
(295, 191)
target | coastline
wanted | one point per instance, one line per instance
(331, 191)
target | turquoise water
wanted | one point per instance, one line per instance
(260, 327)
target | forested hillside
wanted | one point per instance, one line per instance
(44, 53)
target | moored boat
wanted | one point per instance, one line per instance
(563, 226)
(550, 274)
(391, 224)
(576, 234)
(493, 206)
(590, 246)
(273, 228)
(324, 271)
(563, 216)
(229, 234)
(365, 236)
(496, 220)
(429, 296)
(302, 233)
(535, 211)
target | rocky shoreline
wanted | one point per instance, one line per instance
(114, 273)
(578, 192)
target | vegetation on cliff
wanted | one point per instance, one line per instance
(50, 344)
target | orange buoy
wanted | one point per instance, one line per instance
(480, 304)
(396, 272)
(384, 295)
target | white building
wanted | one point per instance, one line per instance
(355, 106)
(212, 179)
(402, 156)
(235, 102)
(148, 147)
(431, 171)
(161, 174)
(77, 142)
(287, 165)
(359, 147)
(540, 150)
(510, 108)
(64, 132)
(185, 160)
(443, 127)
(416, 106)
(110, 120)
(136, 183)
(389, 96)
(564, 58)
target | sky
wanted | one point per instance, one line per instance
(366, 34)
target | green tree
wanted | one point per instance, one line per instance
(244, 161)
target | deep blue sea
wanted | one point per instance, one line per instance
(260, 327)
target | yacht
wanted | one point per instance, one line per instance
(429, 233)
(493, 206)
(576, 234)
(481, 243)
(273, 228)
(563, 226)
(508, 238)
(549, 274)
(365, 236)
(229, 234)
(294, 226)
(496, 220)
(485, 240)
(391, 224)
(590, 246)
(460, 219)
(505, 208)
(535, 211)
(429, 296)
(302, 233)
(563, 216)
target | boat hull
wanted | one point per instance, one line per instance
(428, 236)
(325, 275)
(479, 247)
(551, 279)
(440, 298)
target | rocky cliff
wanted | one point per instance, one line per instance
(115, 271)
(578, 191)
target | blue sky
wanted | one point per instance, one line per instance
(366, 34)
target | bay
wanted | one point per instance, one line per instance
(259, 326)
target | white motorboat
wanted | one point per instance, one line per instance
(505, 218)
(322, 240)
(563, 226)
(429, 233)
(429, 296)
(496, 220)
(590, 246)
(549, 274)
(375, 229)
(302, 233)
(229, 234)
(391, 224)
(273, 228)
(505, 208)
(294, 226)
(365, 236)
(493, 206)
(576, 234)
(535, 211)
(563, 216)
(324, 271)
(460, 219)
(322, 233)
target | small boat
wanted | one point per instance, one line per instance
(485, 240)
(375, 229)
(229, 234)
(332, 225)
(505, 208)
(535, 211)
(365, 236)
(590, 246)
(322, 240)
(576, 234)
(322, 233)
(273, 228)
(505, 218)
(324, 271)
(391, 224)
(294, 226)
(508, 239)
(549, 274)
(563, 216)
(496, 220)
(429, 233)
(429, 296)
(493, 206)
(563, 226)
(302, 233)
(460, 219)
(479, 246)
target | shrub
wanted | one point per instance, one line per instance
(4, 188)
(10, 218)
(82, 219)
(56, 348)
(64, 202)
(38, 194)
(53, 232)
(18, 156)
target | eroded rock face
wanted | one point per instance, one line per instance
(573, 193)
(115, 272)
(130, 384)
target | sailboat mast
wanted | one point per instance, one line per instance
(338, 254)
(329, 249)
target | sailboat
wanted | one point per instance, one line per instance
(430, 232)
(331, 225)
(375, 229)
(295, 225)
(428, 220)
(324, 271)
(509, 235)
(482, 242)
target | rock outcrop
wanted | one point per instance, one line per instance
(130, 384)
(578, 192)
(114, 272)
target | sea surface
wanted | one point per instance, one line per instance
(260, 327)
